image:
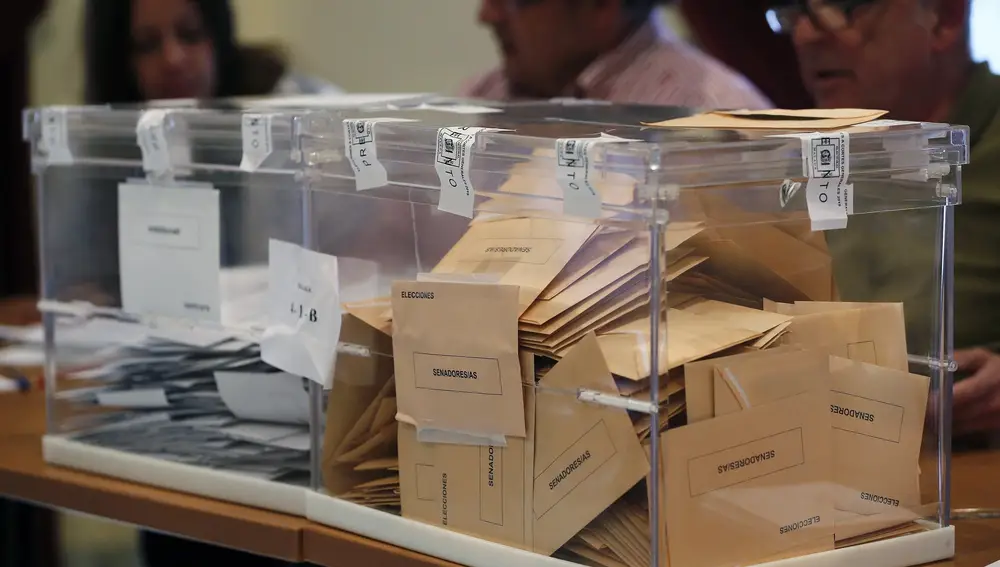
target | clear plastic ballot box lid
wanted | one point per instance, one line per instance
(617, 335)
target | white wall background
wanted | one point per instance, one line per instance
(361, 45)
(985, 39)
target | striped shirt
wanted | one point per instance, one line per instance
(650, 67)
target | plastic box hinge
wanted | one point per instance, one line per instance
(616, 401)
(933, 363)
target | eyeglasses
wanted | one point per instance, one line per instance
(829, 15)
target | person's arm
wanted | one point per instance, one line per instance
(976, 399)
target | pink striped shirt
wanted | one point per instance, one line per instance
(650, 67)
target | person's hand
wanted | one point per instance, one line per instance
(976, 400)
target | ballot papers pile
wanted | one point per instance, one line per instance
(217, 406)
(790, 423)
(196, 396)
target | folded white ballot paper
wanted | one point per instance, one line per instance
(276, 397)
(304, 306)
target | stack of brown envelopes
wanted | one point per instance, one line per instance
(487, 353)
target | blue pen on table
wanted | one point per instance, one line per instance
(19, 383)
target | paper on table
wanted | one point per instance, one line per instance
(456, 357)
(776, 119)
(169, 251)
(276, 397)
(757, 480)
(143, 398)
(528, 253)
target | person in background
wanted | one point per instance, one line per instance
(744, 41)
(611, 50)
(139, 50)
(912, 58)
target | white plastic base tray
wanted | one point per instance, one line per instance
(905, 551)
(221, 485)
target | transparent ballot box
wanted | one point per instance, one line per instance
(154, 232)
(632, 338)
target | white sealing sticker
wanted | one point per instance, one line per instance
(55, 136)
(151, 135)
(829, 197)
(304, 312)
(168, 242)
(359, 136)
(573, 172)
(258, 143)
(453, 162)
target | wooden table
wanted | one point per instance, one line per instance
(24, 476)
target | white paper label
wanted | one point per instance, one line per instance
(359, 136)
(55, 136)
(453, 162)
(304, 312)
(580, 197)
(151, 136)
(258, 141)
(168, 241)
(829, 197)
(574, 172)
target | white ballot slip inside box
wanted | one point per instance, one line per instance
(304, 305)
(168, 240)
(276, 397)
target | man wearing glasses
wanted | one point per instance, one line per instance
(602, 49)
(912, 58)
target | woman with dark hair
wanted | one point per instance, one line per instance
(139, 50)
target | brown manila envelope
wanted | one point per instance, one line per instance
(878, 420)
(757, 480)
(767, 262)
(480, 491)
(776, 119)
(456, 358)
(877, 417)
(599, 248)
(699, 381)
(358, 384)
(874, 334)
(586, 456)
(755, 381)
(523, 252)
(604, 279)
(696, 330)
